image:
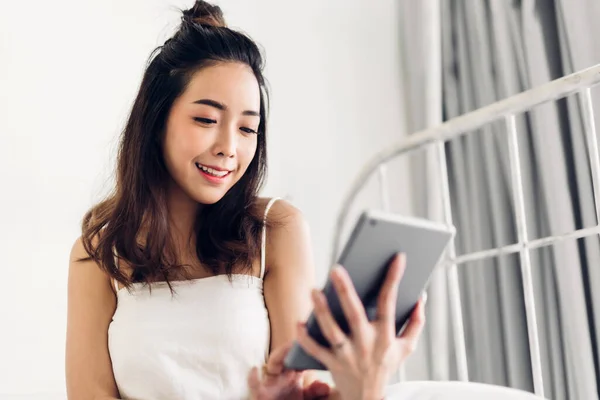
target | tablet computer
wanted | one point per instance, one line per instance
(376, 238)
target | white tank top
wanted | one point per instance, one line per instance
(198, 344)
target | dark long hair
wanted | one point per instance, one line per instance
(227, 232)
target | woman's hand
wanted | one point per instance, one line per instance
(279, 383)
(362, 363)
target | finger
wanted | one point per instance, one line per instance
(351, 304)
(254, 382)
(327, 323)
(386, 303)
(416, 322)
(412, 332)
(314, 349)
(275, 362)
(291, 377)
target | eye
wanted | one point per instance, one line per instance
(206, 121)
(248, 130)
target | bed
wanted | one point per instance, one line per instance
(434, 139)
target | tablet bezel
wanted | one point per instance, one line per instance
(378, 236)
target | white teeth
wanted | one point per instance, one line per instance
(213, 172)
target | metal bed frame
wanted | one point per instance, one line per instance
(433, 139)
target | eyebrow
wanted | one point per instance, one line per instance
(223, 107)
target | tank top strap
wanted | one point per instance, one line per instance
(263, 242)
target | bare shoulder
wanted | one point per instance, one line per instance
(84, 271)
(282, 213)
(288, 235)
(78, 251)
(79, 254)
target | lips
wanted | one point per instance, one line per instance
(213, 171)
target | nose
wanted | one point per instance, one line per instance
(226, 143)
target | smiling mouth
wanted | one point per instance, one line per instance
(212, 172)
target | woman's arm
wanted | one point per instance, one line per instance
(290, 275)
(290, 272)
(288, 282)
(91, 305)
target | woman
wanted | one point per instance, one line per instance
(183, 280)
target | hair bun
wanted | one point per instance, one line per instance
(205, 14)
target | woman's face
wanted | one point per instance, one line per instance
(211, 131)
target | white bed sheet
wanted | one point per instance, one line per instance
(429, 390)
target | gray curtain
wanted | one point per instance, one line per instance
(492, 49)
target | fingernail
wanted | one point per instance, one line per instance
(335, 272)
(315, 295)
(338, 269)
(424, 298)
(321, 297)
(337, 275)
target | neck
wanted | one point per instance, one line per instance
(182, 215)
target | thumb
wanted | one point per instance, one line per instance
(253, 383)
(276, 358)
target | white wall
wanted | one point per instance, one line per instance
(68, 73)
